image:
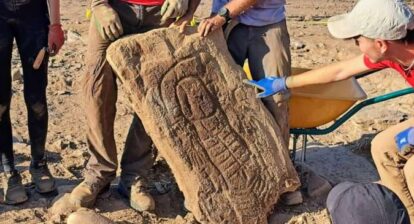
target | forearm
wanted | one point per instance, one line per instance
(54, 11)
(236, 7)
(331, 73)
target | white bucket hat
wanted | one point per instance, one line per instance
(376, 19)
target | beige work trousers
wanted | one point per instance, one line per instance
(396, 171)
(267, 49)
(100, 96)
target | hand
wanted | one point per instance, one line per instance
(270, 85)
(183, 22)
(405, 141)
(107, 22)
(173, 9)
(210, 24)
(55, 39)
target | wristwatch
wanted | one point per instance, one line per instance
(225, 13)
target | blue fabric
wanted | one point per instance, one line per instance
(405, 139)
(264, 12)
(270, 85)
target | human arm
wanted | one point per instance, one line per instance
(330, 73)
(215, 21)
(56, 37)
(186, 19)
(106, 20)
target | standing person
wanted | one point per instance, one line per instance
(33, 27)
(384, 32)
(111, 20)
(256, 30)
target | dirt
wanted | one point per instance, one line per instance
(312, 46)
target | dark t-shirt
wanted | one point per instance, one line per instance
(408, 75)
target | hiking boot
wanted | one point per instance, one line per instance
(137, 193)
(85, 194)
(14, 192)
(41, 177)
(292, 198)
(315, 185)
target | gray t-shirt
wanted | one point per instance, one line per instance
(264, 12)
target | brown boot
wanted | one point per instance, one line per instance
(292, 198)
(137, 192)
(14, 192)
(88, 217)
(41, 177)
(316, 186)
(85, 194)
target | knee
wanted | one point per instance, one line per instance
(39, 109)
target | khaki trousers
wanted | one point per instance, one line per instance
(396, 171)
(267, 49)
(100, 96)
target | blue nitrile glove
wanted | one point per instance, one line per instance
(405, 140)
(270, 85)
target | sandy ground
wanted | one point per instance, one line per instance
(334, 155)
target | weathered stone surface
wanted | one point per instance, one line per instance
(225, 150)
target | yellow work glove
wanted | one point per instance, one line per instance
(173, 9)
(107, 21)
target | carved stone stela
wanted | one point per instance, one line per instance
(224, 148)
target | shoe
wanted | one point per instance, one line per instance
(315, 185)
(292, 198)
(14, 191)
(137, 193)
(87, 216)
(41, 177)
(85, 194)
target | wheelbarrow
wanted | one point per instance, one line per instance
(311, 107)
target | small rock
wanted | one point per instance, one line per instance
(299, 18)
(18, 139)
(296, 45)
(60, 144)
(79, 153)
(78, 66)
(87, 216)
(320, 45)
(73, 36)
(17, 74)
(68, 81)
